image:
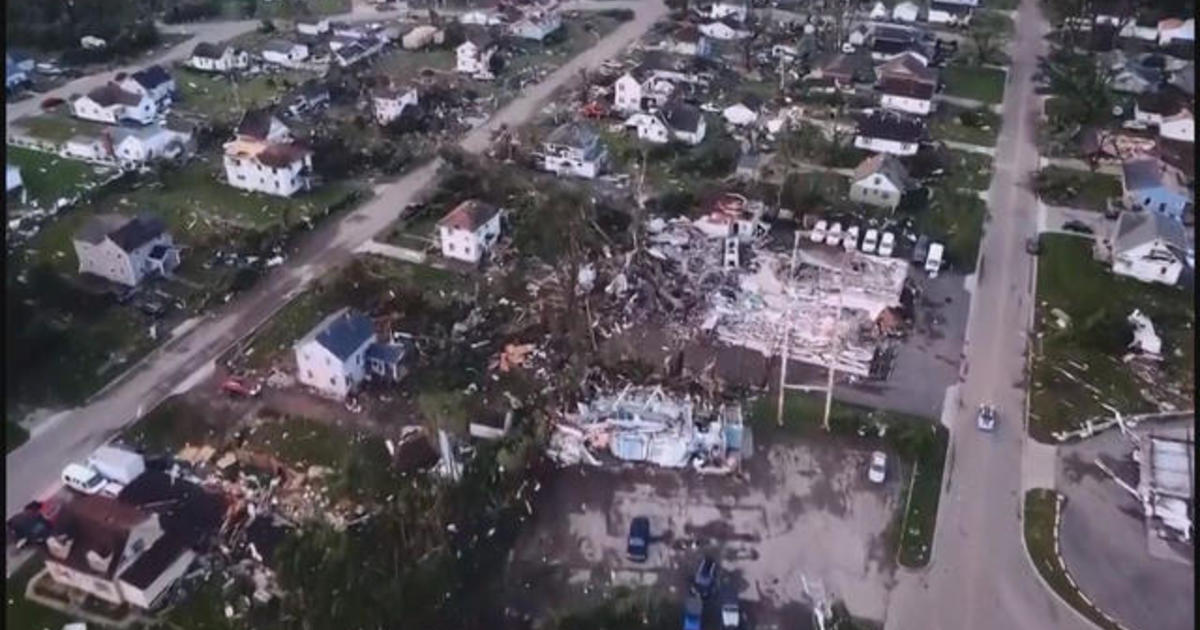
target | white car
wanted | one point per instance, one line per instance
(834, 235)
(870, 241)
(887, 245)
(878, 470)
(83, 479)
(986, 420)
(851, 239)
(818, 233)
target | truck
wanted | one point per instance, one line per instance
(117, 464)
(934, 262)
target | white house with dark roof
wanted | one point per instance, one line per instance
(574, 149)
(124, 249)
(137, 146)
(880, 180)
(888, 132)
(949, 13)
(642, 89)
(313, 28)
(153, 81)
(473, 57)
(906, 11)
(1149, 247)
(469, 230)
(676, 121)
(389, 103)
(687, 40)
(342, 351)
(110, 103)
(209, 57)
(284, 53)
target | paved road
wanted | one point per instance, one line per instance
(33, 469)
(980, 577)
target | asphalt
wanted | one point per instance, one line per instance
(32, 470)
(980, 576)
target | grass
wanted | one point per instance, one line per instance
(173, 424)
(980, 84)
(23, 613)
(1002, 5)
(403, 66)
(214, 96)
(979, 127)
(14, 435)
(970, 170)
(1041, 512)
(952, 217)
(1098, 302)
(48, 178)
(58, 128)
(919, 442)
(1073, 188)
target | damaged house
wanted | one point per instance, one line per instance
(1149, 247)
(470, 230)
(574, 149)
(389, 102)
(677, 121)
(890, 132)
(907, 84)
(474, 56)
(342, 351)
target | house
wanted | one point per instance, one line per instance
(350, 31)
(726, 30)
(641, 89)
(1174, 30)
(19, 59)
(13, 182)
(209, 57)
(1180, 127)
(137, 146)
(356, 51)
(115, 552)
(880, 180)
(481, 17)
(1138, 74)
(677, 121)
(1150, 247)
(469, 230)
(731, 215)
(536, 25)
(1151, 108)
(878, 11)
(262, 126)
(111, 104)
(474, 56)
(906, 11)
(313, 28)
(125, 250)
(889, 132)
(1149, 184)
(688, 41)
(650, 127)
(744, 112)
(14, 77)
(389, 103)
(152, 81)
(422, 36)
(574, 149)
(1143, 28)
(312, 94)
(1179, 154)
(89, 148)
(949, 13)
(907, 85)
(1184, 80)
(342, 351)
(736, 11)
(841, 72)
(280, 169)
(284, 53)
(890, 41)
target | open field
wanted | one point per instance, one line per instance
(48, 178)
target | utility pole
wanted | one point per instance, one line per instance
(837, 342)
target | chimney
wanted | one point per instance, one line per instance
(59, 545)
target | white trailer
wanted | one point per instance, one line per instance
(933, 263)
(117, 464)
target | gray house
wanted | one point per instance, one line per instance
(880, 180)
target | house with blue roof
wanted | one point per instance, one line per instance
(343, 351)
(1150, 184)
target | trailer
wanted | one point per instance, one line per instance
(117, 464)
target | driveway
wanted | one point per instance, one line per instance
(1104, 541)
(1053, 218)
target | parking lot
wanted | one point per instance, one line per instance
(799, 511)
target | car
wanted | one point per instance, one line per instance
(986, 420)
(238, 387)
(921, 250)
(887, 244)
(1078, 227)
(638, 547)
(692, 609)
(52, 102)
(83, 479)
(850, 241)
(818, 233)
(877, 471)
(870, 241)
(731, 613)
(834, 235)
(705, 580)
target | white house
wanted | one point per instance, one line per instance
(12, 178)
(641, 90)
(906, 12)
(1181, 127)
(280, 169)
(536, 24)
(111, 104)
(209, 57)
(886, 132)
(735, 10)
(152, 81)
(89, 148)
(125, 250)
(574, 149)
(422, 36)
(469, 230)
(141, 145)
(481, 17)
(723, 30)
(949, 13)
(350, 31)
(313, 28)
(1175, 30)
(115, 552)
(649, 127)
(342, 351)
(880, 180)
(388, 103)
(677, 121)
(878, 11)
(474, 57)
(284, 53)
(907, 85)
(1149, 246)
(744, 112)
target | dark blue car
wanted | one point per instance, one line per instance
(638, 548)
(692, 609)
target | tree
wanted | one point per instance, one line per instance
(1082, 86)
(987, 32)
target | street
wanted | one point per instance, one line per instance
(33, 469)
(980, 576)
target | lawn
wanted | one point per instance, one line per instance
(1091, 347)
(48, 178)
(1041, 513)
(403, 66)
(1002, 5)
(981, 84)
(220, 98)
(57, 128)
(979, 126)
(969, 170)
(921, 443)
(950, 216)
(1058, 186)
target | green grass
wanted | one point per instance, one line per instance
(1077, 189)
(970, 170)
(921, 443)
(1002, 5)
(48, 178)
(58, 128)
(1098, 302)
(23, 613)
(981, 84)
(214, 97)
(948, 124)
(952, 217)
(1041, 510)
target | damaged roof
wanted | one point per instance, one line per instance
(127, 233)
(573, 134)
(907, 88)
(909, 67)
(208, 50)
(96, 524)
(1161, 102)
(151, 77)
(1145, 173)
(281, 155)
(469, 215)
(1135, 229)
(111, 94)
(886, 165)
(891, 126)
(256, 123)
(682, 116)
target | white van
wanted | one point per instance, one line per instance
(83, 479)
(933, 263)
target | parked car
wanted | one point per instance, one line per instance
(818, 232)
(692, 609)
(52, 102)
(834, 235)
(887, 245)
(870, 241)
(986, 420)
(851, 239)
(235, 386)
(877, 471)
(1078, 227)
(921, 250)
(705, 580)
(638, 547)
(731, 613)
(83, 479)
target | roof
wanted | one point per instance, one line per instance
(208, 50)
(480, 38)
(127, 233)
(891, 126)
(388, 353)
(1145, 173)
(279, 155)
(573, 134)
(951, 8)
(151, 77)
(887, 165)
(313, 88)
(279, 46)
(908, 66)
(1138, 228)
(99, 524)
(469, 215)
(687, 33)
(119, 134)
(184, 509)
(1162, 102)
(907, 88)
(111, 94)
(682, 116)
(849, 67)
(97, 227)
(342, 333)
(894, 33)
(148, 566)
(256, 123)
(1178, 153)
(1185, 79)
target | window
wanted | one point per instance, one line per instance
(333, 381)
(884, 195)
